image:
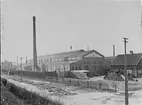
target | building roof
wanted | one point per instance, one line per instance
(63, 54)
(70, 54)
(132, 59)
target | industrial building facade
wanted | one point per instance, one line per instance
(6, 65)
(72, 60)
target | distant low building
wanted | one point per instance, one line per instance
(72, 60)
(134, 63)
(6, 65)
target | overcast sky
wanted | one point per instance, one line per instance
(62, 23)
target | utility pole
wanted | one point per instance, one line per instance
(26, 60)
(125, 69)
(17, 63)
(21, 69)
(113, 50)
(0, 35)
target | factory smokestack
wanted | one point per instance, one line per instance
(34, 45)
(70, 48)
(113, 50)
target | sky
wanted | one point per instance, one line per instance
(60, 24)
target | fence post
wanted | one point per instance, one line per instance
(51, 79)
(78, 82)
(88, 84)
(56, 78)
(62, 79)
(115, 88)
(100, 85)
(69, 81)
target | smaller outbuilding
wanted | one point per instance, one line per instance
(134, 64)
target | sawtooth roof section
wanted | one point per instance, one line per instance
(132, 59)
(95, 52)
(70, 54)
(64, 54)
(85, 53)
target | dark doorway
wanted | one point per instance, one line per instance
(86, 67)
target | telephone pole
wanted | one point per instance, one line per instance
(21, 69)
(17, 63)
(125, 69)
(113, 50)
(0, 34)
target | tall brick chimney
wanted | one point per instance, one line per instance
(34, 45)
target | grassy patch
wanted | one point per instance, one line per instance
(7, 98)
(13, 95)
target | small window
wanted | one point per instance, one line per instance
(69, 58)
(79, 67)
(78, 58)
(88, 61)
(72, 67)
(99, 67)
(99, 62)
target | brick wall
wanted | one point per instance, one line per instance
(94, 65)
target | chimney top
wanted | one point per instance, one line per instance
(131, 52)
(70, 47)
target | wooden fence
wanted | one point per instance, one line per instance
(84, 83)
(52, 77)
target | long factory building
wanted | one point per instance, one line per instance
(90, 60)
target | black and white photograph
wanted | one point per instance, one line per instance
(71, 52)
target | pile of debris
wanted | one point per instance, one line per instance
(58, 91)
(117, 76)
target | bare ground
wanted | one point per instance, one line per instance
(72, 95)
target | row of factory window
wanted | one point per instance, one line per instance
(87, 67)
(94, 62)
(58, 68)
(55, 67)
(40, 61)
